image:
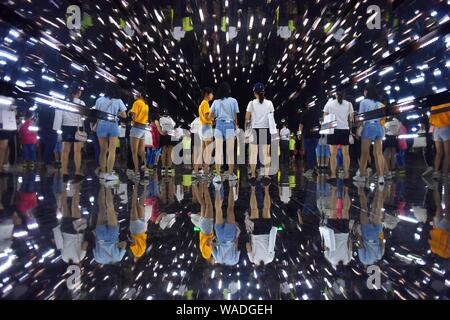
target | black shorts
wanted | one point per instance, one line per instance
(261, 137)
(68, 133)
(165, 140)
(6, 135)
(390, 142)
(338, 225)
(340, 137)
(262, 226)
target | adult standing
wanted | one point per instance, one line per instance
(258, 111)
(343, 111)
(309, 124)
(6, 135)
(108, 131)
(372, 132)
(70, 123)
(225, 109)
(48, 136)
(205, 130)
(139, 116)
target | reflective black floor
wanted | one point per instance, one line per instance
(142, 240)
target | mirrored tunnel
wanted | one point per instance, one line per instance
(224, 150)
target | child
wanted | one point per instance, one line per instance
(292, 143)
(58, 151)
(402, 146)
(323, 154)
(28, 138)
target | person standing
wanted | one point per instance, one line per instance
(224, 110)
(28, 139)
(309, 128)
(139, 115)
(168, 129)
(70, 123)
(285, 134)
(441, 136)
(343, 111)
(258, 111)
(372, 132)
(108, 131)
(205, 130)
(48, 136)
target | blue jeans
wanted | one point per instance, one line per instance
(29, 152)
(310, 150)
(401, 158)
(48, 141)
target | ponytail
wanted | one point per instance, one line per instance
(261, 97)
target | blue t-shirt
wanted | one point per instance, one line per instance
(112, 106)
(367, 105)
(225, 109)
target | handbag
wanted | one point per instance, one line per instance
(80, 135)
(420, 142)
(8, 120)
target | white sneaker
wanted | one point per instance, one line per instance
(380, 180)
(358, 178)
(232, 177)
(436, 175)
(428, 171)
(368, 172)
(110, 177)
(102, 175)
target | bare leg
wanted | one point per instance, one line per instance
(230, 155)
(267, 203)
(333, 161)
(365, 149)
(446, 158)
(346, 157)
(65, 157)
(253, 159)
(254, 214)
(111, 154)
(439, 153)
(219, 155)
(103, 143)
(77, 151)
(135, 152)
(379, 159)
(3, 148)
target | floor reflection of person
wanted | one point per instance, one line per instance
(138, 224)
(261, 248)
(206, 221)
(440, 235)
(370, 233)
(70, 235)
(225, 250)
(108, 249)
(335, 232)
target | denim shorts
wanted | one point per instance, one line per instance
(372, 132)
(138, 226)
(107, 129)
(224, 130)
(137, 132)
(225, 232)
(441, 134)
(206, 132)
(107, 234)
(206, 225)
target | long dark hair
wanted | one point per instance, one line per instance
(261, 96)
(224, 91)
(372, 93)
(110, 91)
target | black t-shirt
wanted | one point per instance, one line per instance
(46, 117)
(310, 119)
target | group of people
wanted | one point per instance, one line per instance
(323, 136)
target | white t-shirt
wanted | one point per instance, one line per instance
(72, 119)
(341, 252)
(341, 111)
(260, 113)
(263, 247)
(392, 127)
(167, 124)
(285, 134)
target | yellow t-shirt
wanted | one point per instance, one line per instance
(205, 249)
(139, 244)
(203, 110)
(140, 109)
